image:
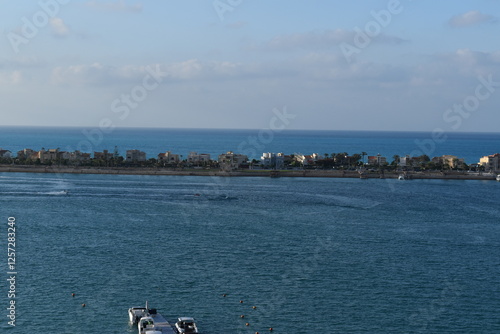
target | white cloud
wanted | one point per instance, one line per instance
(114, 6)
(58, 27)
(97, 73)
(11, 78)
(470, 18)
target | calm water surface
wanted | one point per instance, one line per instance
(314, 255)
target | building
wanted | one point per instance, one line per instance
(273, 160)
(405, 161)
(198, 159)
(491, 163)
(168, 158)
(104, 155)
(27, 153)
(75, 156)
(48, 155)
(5, 154)
(306, 160)
(449, 160)
(230, 160)
(377, 160)
(135, 156)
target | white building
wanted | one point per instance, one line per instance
(405, 161)
(273, 160)
(5, 154)
(307, 159)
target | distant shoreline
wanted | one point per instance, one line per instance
(448, 175)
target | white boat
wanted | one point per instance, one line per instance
(136, 313)
(498, 177)
(148, 321)
(186, 325)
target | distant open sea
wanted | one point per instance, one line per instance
(313, 255)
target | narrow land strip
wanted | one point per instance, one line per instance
(447, 175)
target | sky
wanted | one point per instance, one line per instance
(392, 65)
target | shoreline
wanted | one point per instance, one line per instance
(437, 175)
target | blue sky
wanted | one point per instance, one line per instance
(415, 65)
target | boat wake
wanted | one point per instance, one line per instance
(54, 193)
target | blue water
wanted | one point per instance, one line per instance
(313, 255)
(469, 146)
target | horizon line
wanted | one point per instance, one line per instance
(235, 129)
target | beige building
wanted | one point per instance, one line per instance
(451, 161)
(230, 160)
(48, 155)
(27, 153)
(491, 163)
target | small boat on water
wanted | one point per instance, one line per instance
(498, 177)
(136, 313)
(149, 321)
(186, 325)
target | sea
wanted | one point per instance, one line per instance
(298, 255)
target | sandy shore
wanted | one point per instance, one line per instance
(451, 175)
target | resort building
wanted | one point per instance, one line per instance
(168, 158)
(306, 160)
(5, 154)
(377, 160)
(27, 153)
(48, 155)
(198, 159)
(75, 156)
(449, 160)
(231, 160)
(491, 163)
(135, 156)
(273, 160)
(405, 161)
(104, 155)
